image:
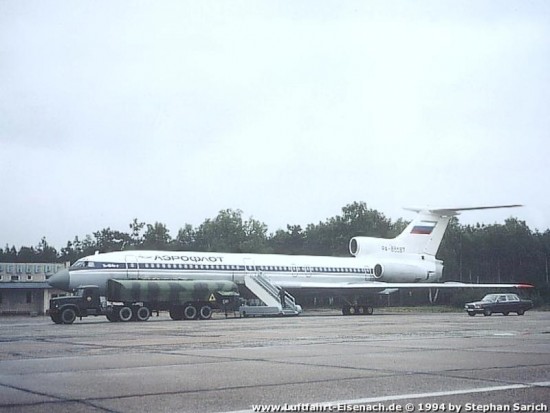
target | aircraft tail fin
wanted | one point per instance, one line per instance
(424, 234)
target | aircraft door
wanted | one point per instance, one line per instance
(132, 267)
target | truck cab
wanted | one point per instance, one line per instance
(84, 302)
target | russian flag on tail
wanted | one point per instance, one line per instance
(424, 227)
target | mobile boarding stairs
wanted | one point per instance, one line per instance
(277, 302)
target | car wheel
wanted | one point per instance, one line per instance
(505, 313)
(471, 313)
(521, 312)
(487, 312)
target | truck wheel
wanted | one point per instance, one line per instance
(56, 319)
(125, 313)
(68, 315)
(143, 313)
(176, 313)
(190, 312)
(112, 317)
(205, 312)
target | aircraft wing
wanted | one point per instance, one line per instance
(377, 285)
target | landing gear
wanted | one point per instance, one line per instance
(357, 310)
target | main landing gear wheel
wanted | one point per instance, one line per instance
(357, 310)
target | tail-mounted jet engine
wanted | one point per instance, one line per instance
(406, 268)
(365, 245)
(408, 271)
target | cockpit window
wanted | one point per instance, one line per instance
(83, 264)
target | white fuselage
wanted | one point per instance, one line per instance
(286, 271)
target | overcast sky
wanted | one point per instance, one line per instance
(288, 110)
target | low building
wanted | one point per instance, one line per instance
(24, 288)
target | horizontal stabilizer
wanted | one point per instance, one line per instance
(456, 211)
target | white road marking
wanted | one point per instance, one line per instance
(411, 396)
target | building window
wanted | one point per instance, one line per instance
(29, 277)
(15, 277)
(29, 297)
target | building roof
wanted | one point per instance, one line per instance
(22, 285)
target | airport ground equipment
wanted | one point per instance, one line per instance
(277, 301)
(135, 300)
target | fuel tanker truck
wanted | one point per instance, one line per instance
(135, 300)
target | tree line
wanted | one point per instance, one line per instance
(500, 253)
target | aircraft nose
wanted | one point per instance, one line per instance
(60, 280)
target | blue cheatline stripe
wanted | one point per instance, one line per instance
(109, 266)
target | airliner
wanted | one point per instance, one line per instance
(377, 264)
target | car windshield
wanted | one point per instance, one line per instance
(490, 298)
(78, 264)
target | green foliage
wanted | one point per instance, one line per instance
(481, 253)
